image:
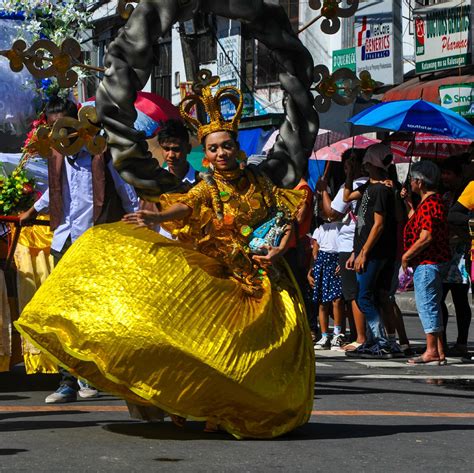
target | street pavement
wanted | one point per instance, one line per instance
(368, 416)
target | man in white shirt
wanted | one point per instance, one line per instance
(83, 191)
(173, 138)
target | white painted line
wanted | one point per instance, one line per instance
(330, 354)
(325, 365)
(408, 376)
(382, 364)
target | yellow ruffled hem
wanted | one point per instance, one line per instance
(155, 323)
(39, 364)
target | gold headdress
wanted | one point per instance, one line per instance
(203, 97)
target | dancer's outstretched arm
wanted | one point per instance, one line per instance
(148, 218)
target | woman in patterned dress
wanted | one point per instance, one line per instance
(426, 242)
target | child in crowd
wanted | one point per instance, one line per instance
(325, 280)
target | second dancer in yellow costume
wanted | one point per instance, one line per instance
(200, 326)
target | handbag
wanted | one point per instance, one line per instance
(269, 233)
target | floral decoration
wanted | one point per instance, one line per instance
(29, 146)
(17, 191)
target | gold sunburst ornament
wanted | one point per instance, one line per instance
(68, 135)
(204, 99)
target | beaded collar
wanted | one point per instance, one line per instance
(228, 176)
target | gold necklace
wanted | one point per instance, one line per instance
(228, 176)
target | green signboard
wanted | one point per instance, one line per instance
(458, 98)
(442, 39)
(344, 58)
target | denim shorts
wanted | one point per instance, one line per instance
(428, 282)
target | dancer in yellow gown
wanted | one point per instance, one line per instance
(198, 326)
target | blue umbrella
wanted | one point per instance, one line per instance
(415, 116)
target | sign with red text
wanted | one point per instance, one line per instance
(442, 36)
(378, 40)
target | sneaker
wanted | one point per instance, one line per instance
(378, 351)
(359, 351)
(62, 394)
(337, 342)
(323, 344)
(408, 352)
(457, 351)
(86, 391)
(396, 350)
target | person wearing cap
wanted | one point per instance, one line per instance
(374, 247)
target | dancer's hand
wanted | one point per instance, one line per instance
(143, 218)
(269, 258)
(310, 278)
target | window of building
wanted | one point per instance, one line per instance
(267, 67)
(161, 75)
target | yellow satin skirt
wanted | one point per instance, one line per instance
(157, 323)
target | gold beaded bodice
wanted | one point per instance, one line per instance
(227, 207)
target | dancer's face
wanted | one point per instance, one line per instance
(221, 150)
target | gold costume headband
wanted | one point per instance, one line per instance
(203, 97)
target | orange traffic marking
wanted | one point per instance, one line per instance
(463, 415)
(75, 408)
(82, 408)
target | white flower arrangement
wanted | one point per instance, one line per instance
(57, 20)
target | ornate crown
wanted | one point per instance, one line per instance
(203, 97)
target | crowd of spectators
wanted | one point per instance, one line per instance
(375, 236)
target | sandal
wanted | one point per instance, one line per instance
(419, 360)
(351, 346)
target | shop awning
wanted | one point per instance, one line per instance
(426, 89)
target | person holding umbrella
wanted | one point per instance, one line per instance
(426, 250)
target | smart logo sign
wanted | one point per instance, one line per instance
(442, 37)
(458, 98)
(378, 41)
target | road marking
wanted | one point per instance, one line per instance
(407, 376)
(454, 415)
(381, 364)
(460, 415)
(325, 365)
(74, 408)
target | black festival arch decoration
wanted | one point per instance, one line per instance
(129, 64)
